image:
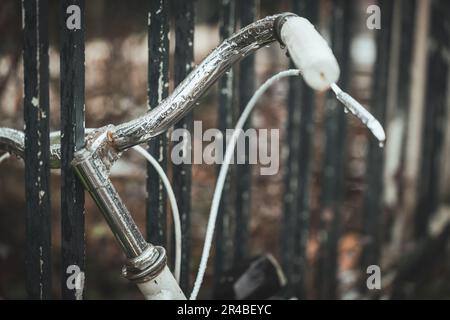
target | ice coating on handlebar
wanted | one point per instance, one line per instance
(310, 52)
(361, 113)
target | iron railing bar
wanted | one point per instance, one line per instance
(246, 80)
(72, 59)
(434, 118)
(310, 10)
(335, 154)
(182, 173)
(158, 89)
(373, 208)
(291, 169)
(224, 237)
(37, 141)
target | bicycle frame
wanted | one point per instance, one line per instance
(146, 264)
(104, 146)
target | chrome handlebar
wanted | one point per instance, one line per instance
(182, 100)
(13, 141)
(104, 145)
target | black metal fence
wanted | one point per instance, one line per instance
(393, 78)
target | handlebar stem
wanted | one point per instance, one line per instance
(92, 164)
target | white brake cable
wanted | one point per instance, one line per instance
(350, 104)
(347, 100)
(223, 175)
(173, 204)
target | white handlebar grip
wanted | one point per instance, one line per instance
(310, 53)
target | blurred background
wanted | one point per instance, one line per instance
(358, 204)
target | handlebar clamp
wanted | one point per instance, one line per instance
(278, 24)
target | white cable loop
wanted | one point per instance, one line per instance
(173, 204)
(223, 174)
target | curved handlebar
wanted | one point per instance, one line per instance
(307, 48)
(309, 52)
(182, 100)
(13, 141)
(319, 69)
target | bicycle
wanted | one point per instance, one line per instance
(146, 264)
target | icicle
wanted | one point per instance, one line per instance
(361, 113)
